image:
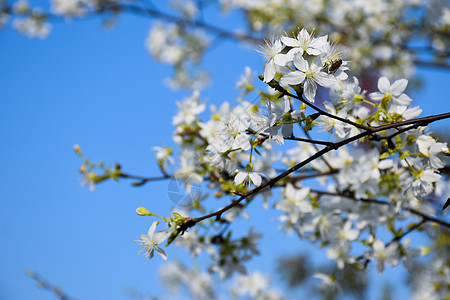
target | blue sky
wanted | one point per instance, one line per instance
(100, 89)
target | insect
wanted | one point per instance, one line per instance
(334, 66)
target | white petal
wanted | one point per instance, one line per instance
(430, 176)
(318, 43)
(412, 113)
(291, 53)
(386, 164)
(255, 178)
(303, 35)
(352, 235)
(398, 87)
(309, 90)
(403, 99)
(300, 63)
(277, 46)
(152, 229)
(376, 96)
(269, 71)
(340, 130)
(240, 177)
(378, 246)
(242, 142)
(317, 64)
(324, 79)
(305, 207)
(282, 59)
(160, 237)
(312, 51)
(295, 77)
(302, 193)
(161, 252)
(290, 42)
(384, 84)
(330, 107)
(424, 142)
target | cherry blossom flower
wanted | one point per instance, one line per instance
(311, 74)
(150, 241)
(232, 131)
(392, 92)
(253, 284)
(423, 184)
(330, 124)
(271, 51)
(248, 177)
(294, 201)
(189, 109)
(328, 282)
(431, 149)
(305, 42)
(383, 254)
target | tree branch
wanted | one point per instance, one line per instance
(425, 217)
(274, 84)
(48, 286)
(270, 183)
(143, 180)
(115, 8)
(293, 138)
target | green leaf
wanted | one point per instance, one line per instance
(386, 154)
(172, 236)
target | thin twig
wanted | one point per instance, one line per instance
(220, 32)
(274, 84)
(376, 201)
(311, 141)
(48, 286)
(143, 180)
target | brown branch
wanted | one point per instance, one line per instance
(424, 217)
(293, 138)
(143, 180)
(192, 23)
(314, 175)
(270, 183)
(116, 8)
(420, 122)
(274, 84)
(388, 137)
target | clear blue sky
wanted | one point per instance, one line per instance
(100, 89)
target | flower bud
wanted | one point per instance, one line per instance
(77, 150)
(358, 98)
(142, 211)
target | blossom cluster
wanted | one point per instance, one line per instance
(379, 34)
(359, 200)
(360, 188)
